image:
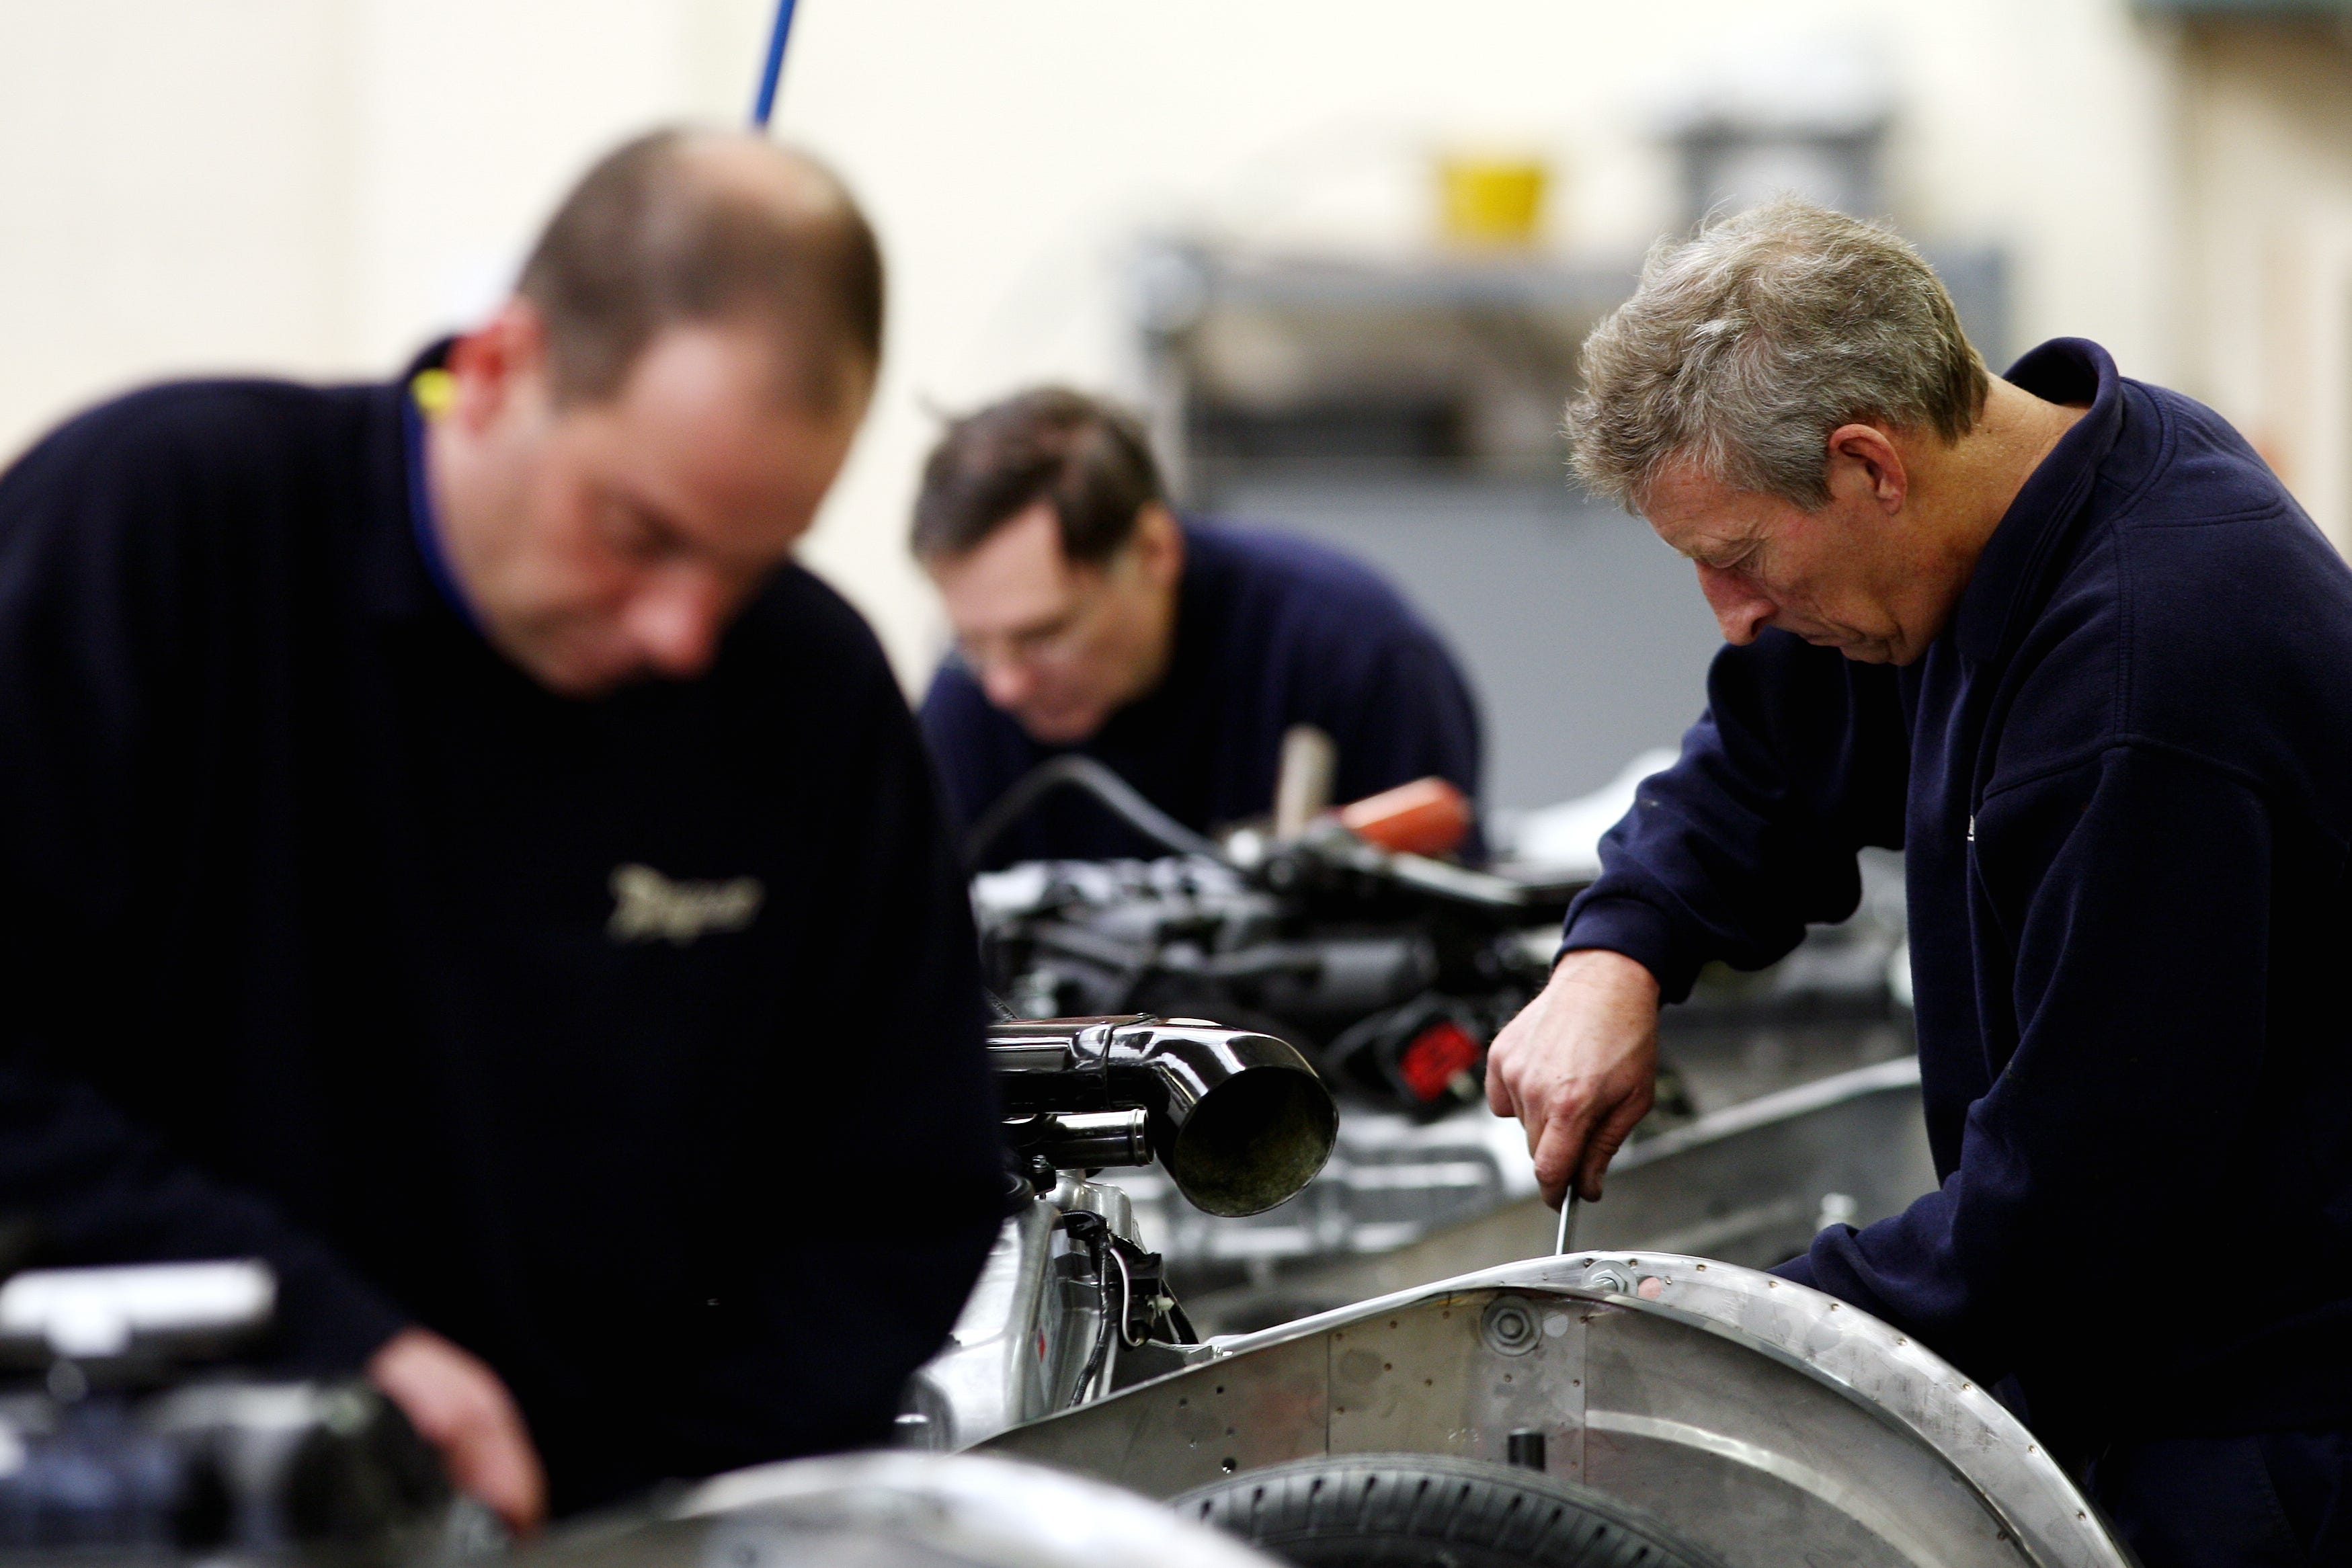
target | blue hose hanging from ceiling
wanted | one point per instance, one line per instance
(765, 105)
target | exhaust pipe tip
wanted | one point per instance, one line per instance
(1239, 1121)
(1255, 1141)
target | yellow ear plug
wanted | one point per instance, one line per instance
(434, 390)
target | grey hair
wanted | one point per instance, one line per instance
(1749, 342)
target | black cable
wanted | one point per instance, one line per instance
(1114, 793)
(1092, 1234)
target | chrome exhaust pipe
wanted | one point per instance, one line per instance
(1239, 1121)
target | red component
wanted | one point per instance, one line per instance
(1436, 1054)
(1426, 817)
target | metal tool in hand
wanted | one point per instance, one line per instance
(1567, 1219)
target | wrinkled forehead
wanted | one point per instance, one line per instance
(1703, 518)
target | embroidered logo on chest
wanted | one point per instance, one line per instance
(649, 908)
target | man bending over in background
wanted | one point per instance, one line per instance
(1090, 618)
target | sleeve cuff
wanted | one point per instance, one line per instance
(328, 1319)
(1640, 931)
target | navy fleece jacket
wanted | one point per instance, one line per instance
(1271, 630)
(315, 948)
(2122, 780)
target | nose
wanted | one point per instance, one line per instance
(676, 623)
(1740, 609)
(1007, 683)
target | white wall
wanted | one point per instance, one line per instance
(315, 185)
(2267, 143)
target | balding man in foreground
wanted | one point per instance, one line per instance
(2066, 641)
(448, 851)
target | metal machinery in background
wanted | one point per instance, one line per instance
(1393, 971)
(1790, 1101)
(125, 1436)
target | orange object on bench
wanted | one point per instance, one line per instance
(1426, 817)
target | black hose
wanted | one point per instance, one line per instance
(1114, 793)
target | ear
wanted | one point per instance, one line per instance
(1864, 463)
(1158, 545)
(503, 359)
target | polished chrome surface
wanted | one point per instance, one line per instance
(1767, 1422)
(895, 1511)
(1021, 1348)
(998, 1364)
(84, 1314)
(1075, 1197)
(1239, 1121)
(1087, 1140)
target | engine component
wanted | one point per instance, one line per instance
(1426, 817)
(112, 1445)
(1238, 1120)
(1350, 951)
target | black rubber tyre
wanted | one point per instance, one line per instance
(1428, 1510)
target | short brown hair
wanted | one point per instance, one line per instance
(683, 225)
(1749, 342)
(1086, 458)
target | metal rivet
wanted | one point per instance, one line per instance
(1510, 1328)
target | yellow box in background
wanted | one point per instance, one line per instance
(1491, 200)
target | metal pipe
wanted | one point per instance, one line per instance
(1239, 1119)
(1085, 1140)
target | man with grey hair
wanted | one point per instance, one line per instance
(2061, 638)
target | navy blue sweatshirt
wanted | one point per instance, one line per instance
(2121, 781)
(1272, 630)
(309, 938)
